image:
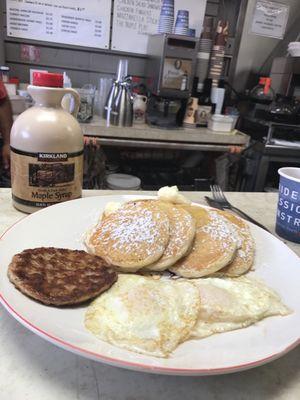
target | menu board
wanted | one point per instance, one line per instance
(134, 20)
(75, 22)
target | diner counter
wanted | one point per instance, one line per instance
(33, 369)
(142, 135)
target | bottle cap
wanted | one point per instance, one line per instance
(48, 79)
(266, 82)
(262, 80)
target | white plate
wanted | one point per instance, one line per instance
(62, 225)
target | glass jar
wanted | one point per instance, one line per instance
(87, 97)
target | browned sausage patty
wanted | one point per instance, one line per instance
(60, 276)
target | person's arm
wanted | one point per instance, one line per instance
(6, 120)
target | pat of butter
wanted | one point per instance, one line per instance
(171, 194)
(111, 207)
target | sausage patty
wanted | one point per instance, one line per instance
(60, 277)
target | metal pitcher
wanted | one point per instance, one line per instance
(122, 109)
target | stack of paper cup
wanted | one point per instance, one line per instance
(216, 63)
(182, 23)
(218, 52)
(203, 57)
(166, 18)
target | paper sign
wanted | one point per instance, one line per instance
(72, 22)
(134, 20)
(30, 53)
(269, 19)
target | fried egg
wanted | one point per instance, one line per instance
(228, 304)
(146, 315)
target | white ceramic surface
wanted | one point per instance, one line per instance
(63, 225)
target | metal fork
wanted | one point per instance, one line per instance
(220, 198)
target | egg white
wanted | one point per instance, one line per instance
(228, 304)
(144, 314)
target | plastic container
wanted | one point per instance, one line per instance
(123, 182)
(46, 148)
(221, 123)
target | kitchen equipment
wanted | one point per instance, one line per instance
(46, 148)
(164, 113)
(285, 75)
(275, 145)
(122, 107)
(171, 61)
(170, 70)
(113, 100)
(263, 92)
(220, 198)
(283, 109)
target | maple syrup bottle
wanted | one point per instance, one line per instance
(46, 148)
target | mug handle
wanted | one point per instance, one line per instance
(76, 98)
(145, 99)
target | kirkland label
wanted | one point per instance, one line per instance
(42, 179)
(50, 157)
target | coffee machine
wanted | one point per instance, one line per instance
(170, 71)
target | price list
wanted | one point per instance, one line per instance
(61, 21)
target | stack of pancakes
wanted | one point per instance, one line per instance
(190, 241)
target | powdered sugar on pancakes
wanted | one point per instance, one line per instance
(133, 236)
(245, 254)
(213, 248)
(182, 233)
(220, 229)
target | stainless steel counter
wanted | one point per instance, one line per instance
(144, 136)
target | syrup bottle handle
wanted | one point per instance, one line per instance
(76, 98)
